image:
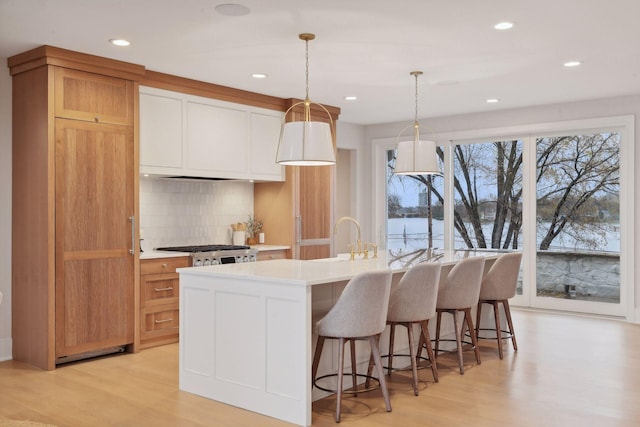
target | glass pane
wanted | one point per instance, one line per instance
(578, 212)
(415, 213)
(488, 195)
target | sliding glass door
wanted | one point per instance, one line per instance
(552, 193)
(578, 222)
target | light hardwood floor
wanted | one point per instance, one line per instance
(569, 371)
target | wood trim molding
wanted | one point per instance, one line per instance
(49, 55)
(210, 90)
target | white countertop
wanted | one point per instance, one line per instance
(262, 248)
(162, 254)
(313, 272)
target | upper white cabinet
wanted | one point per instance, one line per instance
(189, 135)
(161, 130)
(216, 137)
(265, 134)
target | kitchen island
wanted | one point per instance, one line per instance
(246, 330)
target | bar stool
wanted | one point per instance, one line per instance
(359, 314)
(458, 293)
(413, 301)
(498, 285)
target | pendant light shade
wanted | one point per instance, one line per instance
(416, 156)
(305, 142)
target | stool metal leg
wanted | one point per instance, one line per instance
(412, 354)
(438, 320)
(458, 332)
(507, 312)
(340, 377)
(392, 337)
(426, 338)
(316, 359)
(375, 350)
(354, 380)
(496, 315)
(472, 333)
(478, 316)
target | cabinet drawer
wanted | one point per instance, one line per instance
(156, 289)
(160, 321)
(162, 265)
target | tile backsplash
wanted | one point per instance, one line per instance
(191, 212)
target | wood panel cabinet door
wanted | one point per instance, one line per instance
(93, 97)
(94, 266)
(314, 203)
(314, 211)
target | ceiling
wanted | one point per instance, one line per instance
(365, 48)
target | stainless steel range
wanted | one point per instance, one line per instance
(216, 254)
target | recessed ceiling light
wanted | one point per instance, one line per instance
(350, 98)
(232, 9)
(492, 100)
(259, 75)
(119, 42)
(572, 63)
(503, 26)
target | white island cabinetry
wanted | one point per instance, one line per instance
(246, 335)
(194, 136)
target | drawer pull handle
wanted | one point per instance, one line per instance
(165, 265)
(163, 321)
(169, 288)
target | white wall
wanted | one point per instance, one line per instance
(352, 137)
(5, 212)
(619, 106)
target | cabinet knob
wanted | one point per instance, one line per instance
(165, 265)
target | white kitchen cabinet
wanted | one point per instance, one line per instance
(187, 135)
(216, 137)
(265, 134)
(161, 129)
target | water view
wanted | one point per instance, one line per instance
(411, 233)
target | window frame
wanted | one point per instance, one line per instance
(528, 134)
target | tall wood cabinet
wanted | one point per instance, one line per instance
(300, 212)
(75, 202)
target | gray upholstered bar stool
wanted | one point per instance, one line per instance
(413, 301)
(498, 285)
(359, 314)
(458, 293)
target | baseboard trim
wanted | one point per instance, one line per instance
(5, 349)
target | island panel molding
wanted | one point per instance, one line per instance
(271, 306)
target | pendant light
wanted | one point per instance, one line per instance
(416, 157)
(306, 142)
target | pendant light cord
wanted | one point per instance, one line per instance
(306, 74)
(416, 118)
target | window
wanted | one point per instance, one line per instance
(550, 190)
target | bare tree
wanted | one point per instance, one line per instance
(571, 171)
(500, 168)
